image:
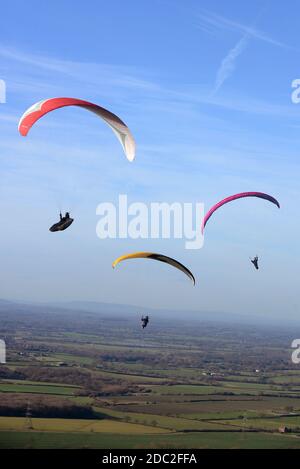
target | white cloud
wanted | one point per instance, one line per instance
(211, 22)
(219, 23)
(33, 76)
(227, 66)
(87, 72)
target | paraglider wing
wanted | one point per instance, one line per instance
(260, 195)
(156, 257)
(38, 110)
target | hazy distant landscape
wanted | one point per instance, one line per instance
(82, 379)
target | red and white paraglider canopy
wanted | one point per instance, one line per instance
(38, 110)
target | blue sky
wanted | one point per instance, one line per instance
(206, 89)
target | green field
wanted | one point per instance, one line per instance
(171, 423)
(76, 425)
(183, 441)
(38, 388)
(178, 386)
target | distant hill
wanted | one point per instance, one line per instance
(132, 311)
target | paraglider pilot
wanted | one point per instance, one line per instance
(145, 321)
(63, 224)
(255, 262)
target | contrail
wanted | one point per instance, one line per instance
(227, 66)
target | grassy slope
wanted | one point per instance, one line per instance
(182, 441)
(77, 425)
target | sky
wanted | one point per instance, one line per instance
(205, 87)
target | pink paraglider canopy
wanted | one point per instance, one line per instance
(260, 195)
